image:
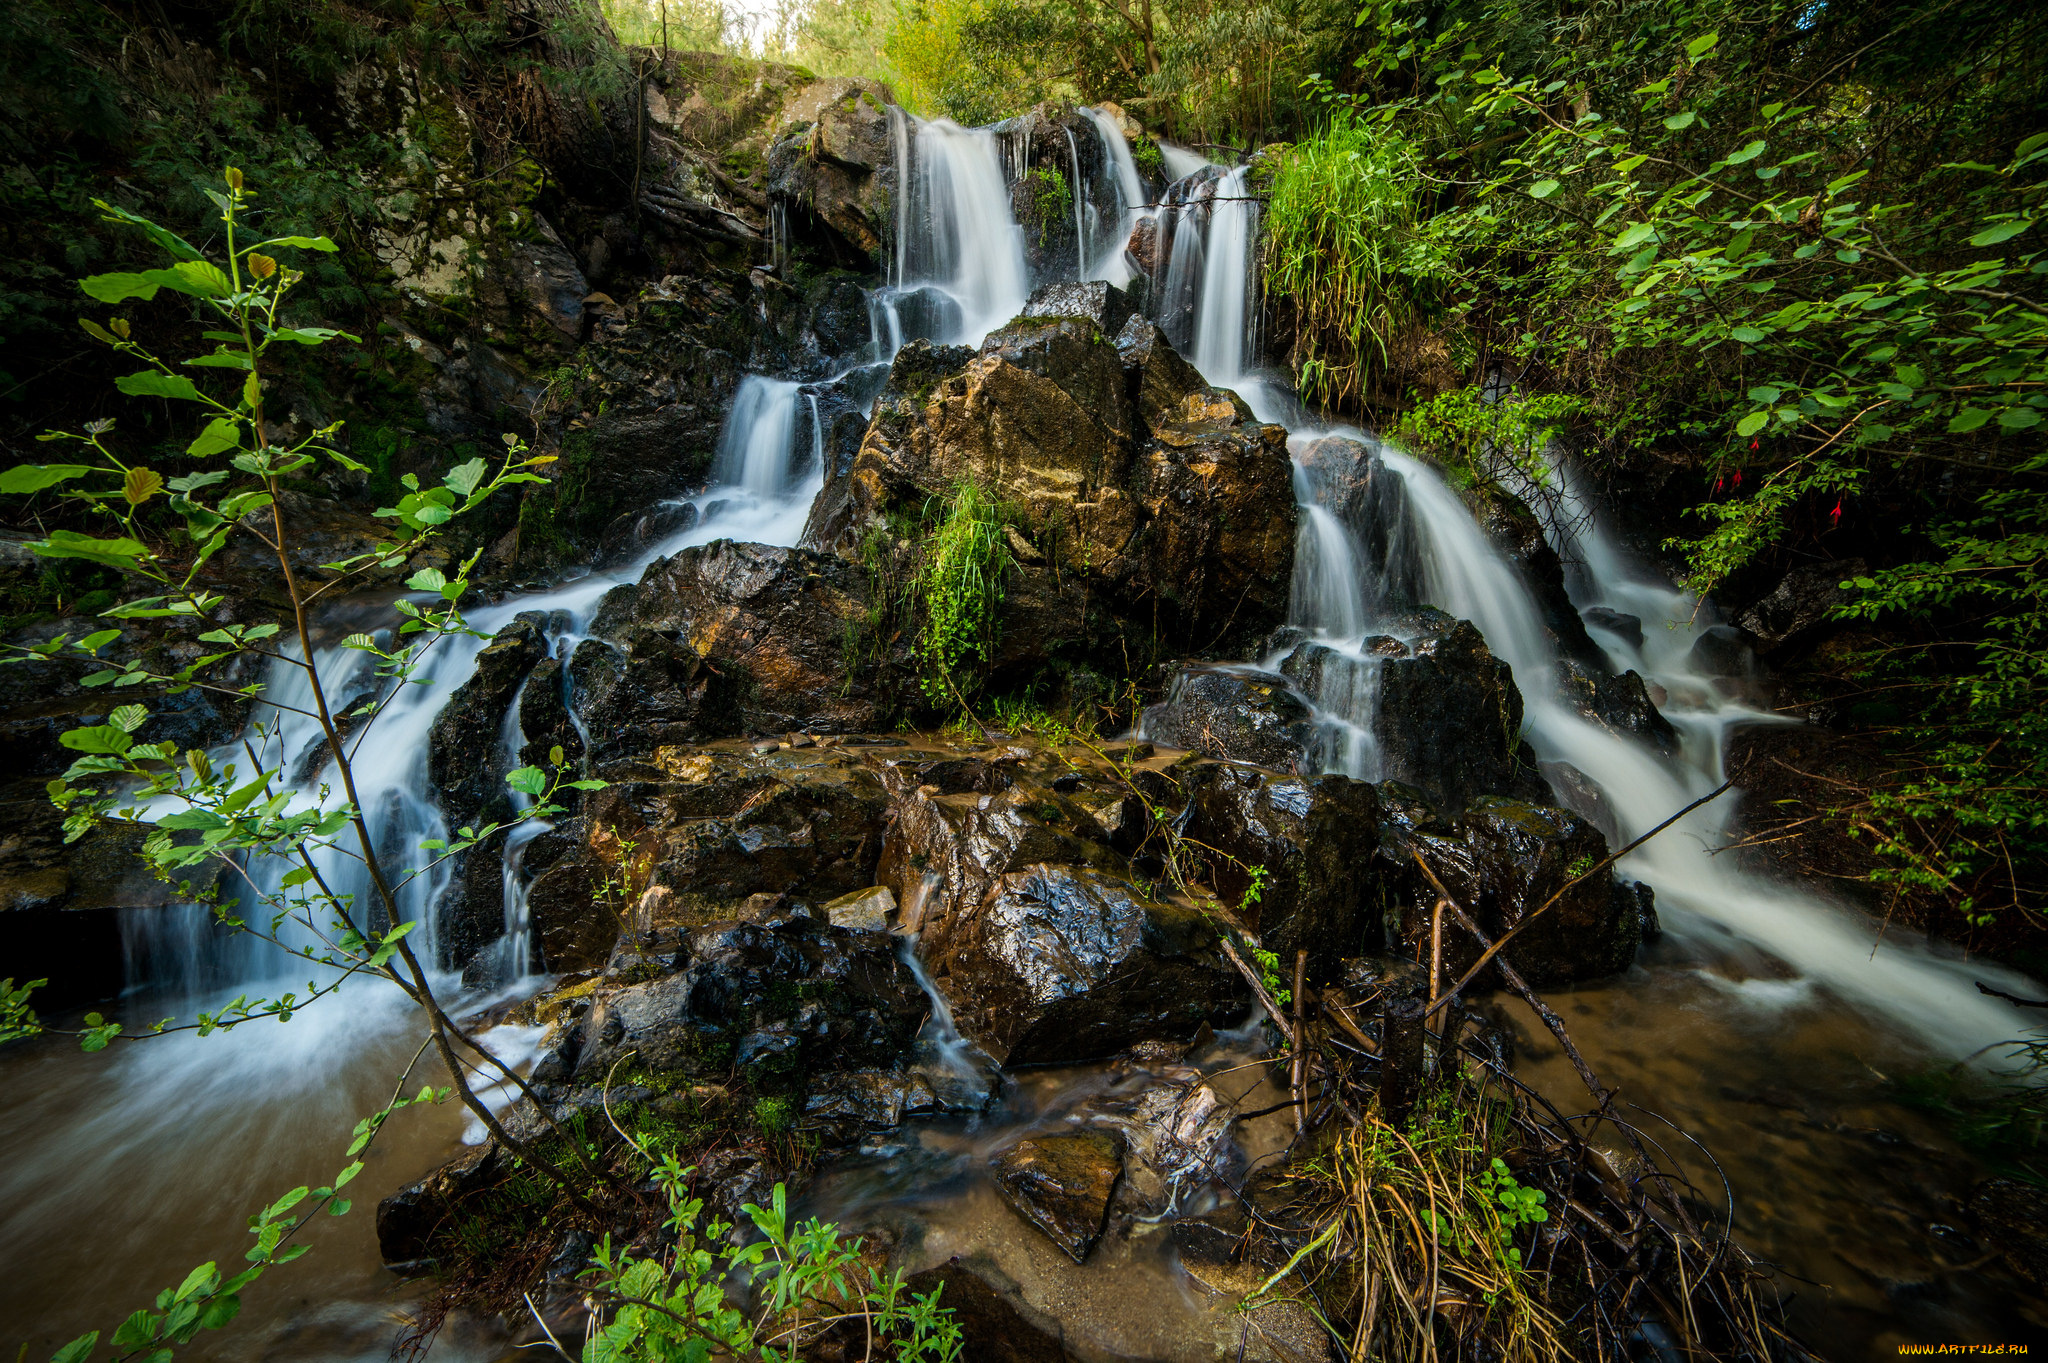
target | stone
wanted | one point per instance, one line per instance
(1625, 627)
(1064, 963)
(1518, 533)
(1620, 705)
(463, 759)
(1103, 304)
(1577, 792)
(789, 999)
(1236, 713)
(1177, 1138)
(1723, 651)
(732, 638)
(1314, 839)
(1800, 608)
(866, 910)
(1450, 717)
(1062, 1184)
(2013, 1218)
(411, 1220)
(1502, 861)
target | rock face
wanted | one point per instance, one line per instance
(1621, 705)
(1800, 608)
(834, 161)
(731, 639)
(1236, 713)
(1146, 503)
(1503, 860)
(1449, 720)
(1065, 963)
(1062, 1184)
(1313, 838)
(780, 1001)
(1518, 533)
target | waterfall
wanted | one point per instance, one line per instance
(1110, 263)
(1708, 903)
(753, 450)
(1180, 162)
(1223, 322)
(1084, 254)
(955, 229)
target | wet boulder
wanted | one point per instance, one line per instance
(1107, 306)
(1503, 860)
(1236, 713)
(833, 163)
(463, 758)
(1062, 1184)
(1517, 532)
(1348, 479)
(1176, 1135)
(781, 1001)
(728, 639)
(1312, 841)
(1580, 794)
(1801, 607)
(1449, 719)
(1623, 626)
(1065, 963)
(1723, 651)
(411, 1223)
(1620, 705)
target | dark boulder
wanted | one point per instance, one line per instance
(1236, 713)
(1723, 651)
(1625, 627)
(782, 1001)
(2013, 1218)
(1579, 793)
(1449, 721)
(1349, 480)
(1503, 861)
(728, 639)
(1064, 963)
(464, 761)
(1063, 1184)
(1518, 533)
(1103, 304)
(1620, 705)
(1313, 838)
(1801, 607)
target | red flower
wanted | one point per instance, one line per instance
(1835, 516)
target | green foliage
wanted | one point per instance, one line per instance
(774, 1115)
(960, 589)
(1052, 202)
(1794, 249)
(806, 1279)
(1486, 440)
(1147, 157)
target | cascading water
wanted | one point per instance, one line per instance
(955, 232)
(1110, 262)
(1223, 319)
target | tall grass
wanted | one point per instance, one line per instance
(1345, 243)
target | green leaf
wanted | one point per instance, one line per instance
(222, 359)
(1747, 335)
(1634, 235)
(150, 384)
(27, 478)
(1969, 419)
(1702, 45)
(78, 1350)
(129, 718)
(1765, 394)
(1680, 122)
(1751, 424)
(119, 287)
(311, 335)
(463, 478)
(303, 243)
(1748, 153)
(2019, 418)
(200, 1278)
(222, 433)
(528, 780)
(114, 553)
(1543, 189)
(1909, 375)
(139, 1328)
(98, 738)
(202, 820)
(2004, 231)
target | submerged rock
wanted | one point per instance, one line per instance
(1062, 1184)
(1621, 705)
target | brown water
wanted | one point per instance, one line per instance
(120, 1171)
(1855, 1196)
